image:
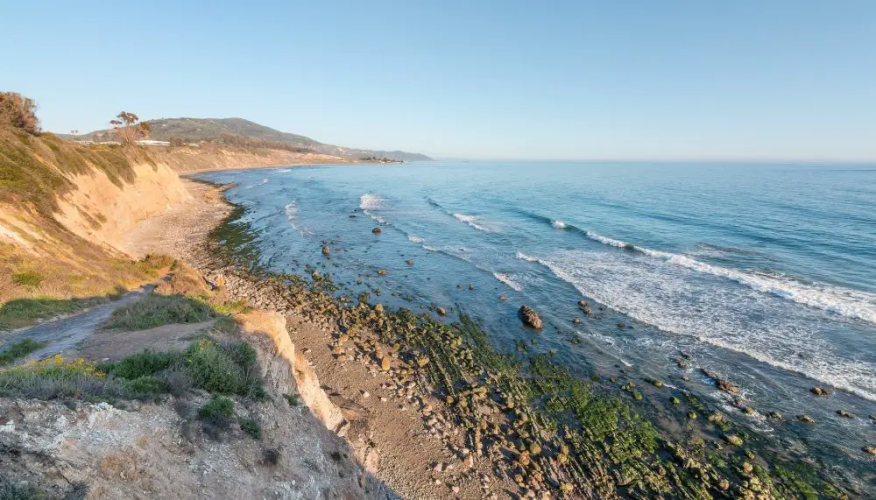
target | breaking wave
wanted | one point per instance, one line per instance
(838, 300)
(369, 202)
(470, 220)
(506, 279)
(671, 299)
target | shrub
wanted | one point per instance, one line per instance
(57, 377)
(157, 310)
(216, 408)
(143, 364)
(19, 350)
(292, 399)
(27, 278)
(147, 386)
(224, 368)
(19, 112)
(15, 490)
(251, 426)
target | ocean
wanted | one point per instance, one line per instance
(762, 273)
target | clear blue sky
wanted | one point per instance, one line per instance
(503, 79)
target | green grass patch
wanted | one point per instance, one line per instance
(23, 312)
(158, 310)
(19, 349)
(27, 278)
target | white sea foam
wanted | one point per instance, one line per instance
(505, 278)
(558, 224)
(470, 220)
(839, 300)
(369, 202)
(292, 216)
(415, 239)
(674, 299)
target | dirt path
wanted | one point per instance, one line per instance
(66, 334)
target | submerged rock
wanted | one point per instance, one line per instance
(530, 317)
(820, 391)
(376, 230)
(326, 250)
(441, 311)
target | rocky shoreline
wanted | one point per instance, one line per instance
(519, 427)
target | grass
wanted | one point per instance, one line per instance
(27, 278)
(19, 349)
(158, 310)
(19, 313)
(228, 368)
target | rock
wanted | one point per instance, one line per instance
(724, 484)
(378, 308)
(530, 317)
(674, 400)
(774, 415)
(870, 450)
(441, 311)
(409, 262)
(381, 272)
(326, 250)
(376, 230)
(806, 419)
(820, 391)
(846, 414)
(582, 303)
(470, 286)
(384, 363)
(576, 321)
(501, 298)
(621, 325)
(315, 275)
(733, 439)
(534, 449)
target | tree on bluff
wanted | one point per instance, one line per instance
(19, 112)
(129, 129)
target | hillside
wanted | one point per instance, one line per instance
(212, 129)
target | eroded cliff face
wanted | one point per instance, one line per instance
(101, 211)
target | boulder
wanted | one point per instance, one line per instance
(530, 317)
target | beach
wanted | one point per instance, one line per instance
(433, 410)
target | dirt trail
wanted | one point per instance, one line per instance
(68, 333)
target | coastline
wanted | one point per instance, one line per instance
(477, 403)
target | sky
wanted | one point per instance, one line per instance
(667, 80)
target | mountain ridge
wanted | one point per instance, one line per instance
(212, 129)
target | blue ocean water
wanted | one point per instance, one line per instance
(764, 274)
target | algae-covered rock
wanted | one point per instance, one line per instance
(530, 317)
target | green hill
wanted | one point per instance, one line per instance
(213, 129)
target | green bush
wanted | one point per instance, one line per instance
(14, 490)
(216, 408)
(292, 399)
(224, 368)
(19, 349)
(251, 426)
(27, 278)
(143, 364)
(147, 386)
(157, 310)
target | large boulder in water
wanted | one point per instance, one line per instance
(530, 317)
